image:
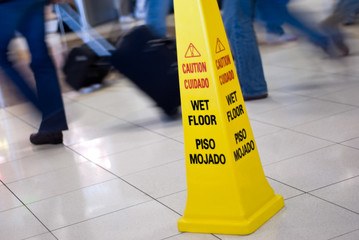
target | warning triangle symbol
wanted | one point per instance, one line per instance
(220, 47)
(192, 52)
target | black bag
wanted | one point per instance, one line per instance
(83, 68)
(151, 64)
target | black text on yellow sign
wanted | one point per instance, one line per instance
(227, 192)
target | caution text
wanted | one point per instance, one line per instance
(226, 77)
(222, 62)
(207, 158)
(231, 98)
(194, 67)
(202, 120)
(235, 112)
(196, 83)
(244, 150)
(205, 143)
(240, 136)
(199, 105)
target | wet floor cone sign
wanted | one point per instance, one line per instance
(228, 192)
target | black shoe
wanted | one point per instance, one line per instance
(338, 41)
(255, 97)
(172, 113)
(46, 138)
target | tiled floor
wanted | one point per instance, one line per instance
(121, 172)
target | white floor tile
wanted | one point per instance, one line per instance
(46, 236)
(336, 128)
(145, 221)
(286, 144)
(160, 124)
(350, 236)
(161, 181)
(262, 129)
(301, 113)
(87, 203)
(284, 190)
(19, 223)
(83, 134)
(21, 109)
(4, 114)
(344, 194)
(121, 102)
(304, 217)
(352, 143)
(14, 130)
(7, 199)
(40, 163)
(319, 85)
(9, 152)
(143, 157)
(316, 169)
(128, 138)
(59, 182)
(176, 201)
(348, 96)
(79, 115)
(279, 77)
(274, 101)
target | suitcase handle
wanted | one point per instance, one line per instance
(168, 42)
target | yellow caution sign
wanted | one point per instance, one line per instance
(228, 192)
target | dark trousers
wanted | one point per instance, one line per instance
(27, 18)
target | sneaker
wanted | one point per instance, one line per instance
(277, 38)
(46, 138)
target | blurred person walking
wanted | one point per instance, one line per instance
(277, 11)
(274, 31)
(341, 12)
(27, 17)
(238, 22)
(126, 10)
(156, 14)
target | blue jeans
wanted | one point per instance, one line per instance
(345, 8)
(27, 18)
(237, 19)
(272, 23)
(157, 11)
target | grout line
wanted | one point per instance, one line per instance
(335, 204)
(29, 210)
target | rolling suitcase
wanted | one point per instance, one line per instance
(151, 64)
(84, 68)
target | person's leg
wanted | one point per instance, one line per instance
(157, 11)
(352, 12)
(48, 90)
(125, 10)
(267, 14)
(331, 24)
(279, 13)
(11, 13)
(237, 18)
(344, 8)
(125, 7)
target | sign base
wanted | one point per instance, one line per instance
(240, 226)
